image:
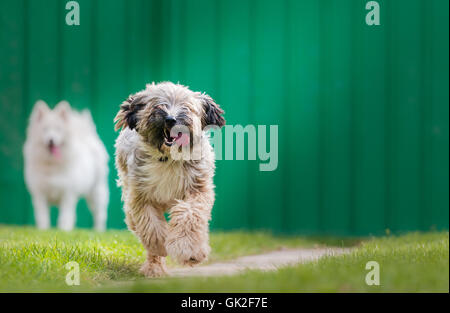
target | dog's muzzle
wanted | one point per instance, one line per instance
(169, 139)
(172, 136)
(169, 122)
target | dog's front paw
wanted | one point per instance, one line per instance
(153, 269)
(187, 251)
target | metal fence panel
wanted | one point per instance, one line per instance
(362, 110)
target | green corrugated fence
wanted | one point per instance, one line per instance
(362, 110)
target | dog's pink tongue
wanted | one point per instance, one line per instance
(55, 151)
(182, 139)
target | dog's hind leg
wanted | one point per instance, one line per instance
(98, 203)
(67, 212)
(41, 212)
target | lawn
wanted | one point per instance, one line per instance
(32, 260)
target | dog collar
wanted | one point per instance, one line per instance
(163, 159)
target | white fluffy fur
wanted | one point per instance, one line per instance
(80, 169)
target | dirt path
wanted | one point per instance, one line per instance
(265, 262)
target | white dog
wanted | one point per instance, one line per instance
(65, 160)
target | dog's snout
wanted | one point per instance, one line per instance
(170, 121)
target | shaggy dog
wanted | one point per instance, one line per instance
(153, 181)
(65, 160)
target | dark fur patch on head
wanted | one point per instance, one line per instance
(153, 126)
(213, 113)
(127, 116)
(184, 117)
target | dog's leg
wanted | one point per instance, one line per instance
(188, 238)
(150, 227)
(98, 203)
(67, 212)
(41, 212)
(154, 266)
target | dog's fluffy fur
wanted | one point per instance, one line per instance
(154, 183)
(65, 160)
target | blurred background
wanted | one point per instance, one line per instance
(362, 110)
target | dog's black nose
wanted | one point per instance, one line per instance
(170, 121)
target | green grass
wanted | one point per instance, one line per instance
(410, 263)
(32, 260)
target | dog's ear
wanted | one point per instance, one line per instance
(63, 109)
(39, 110)
(127, 115)
(212, 113)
